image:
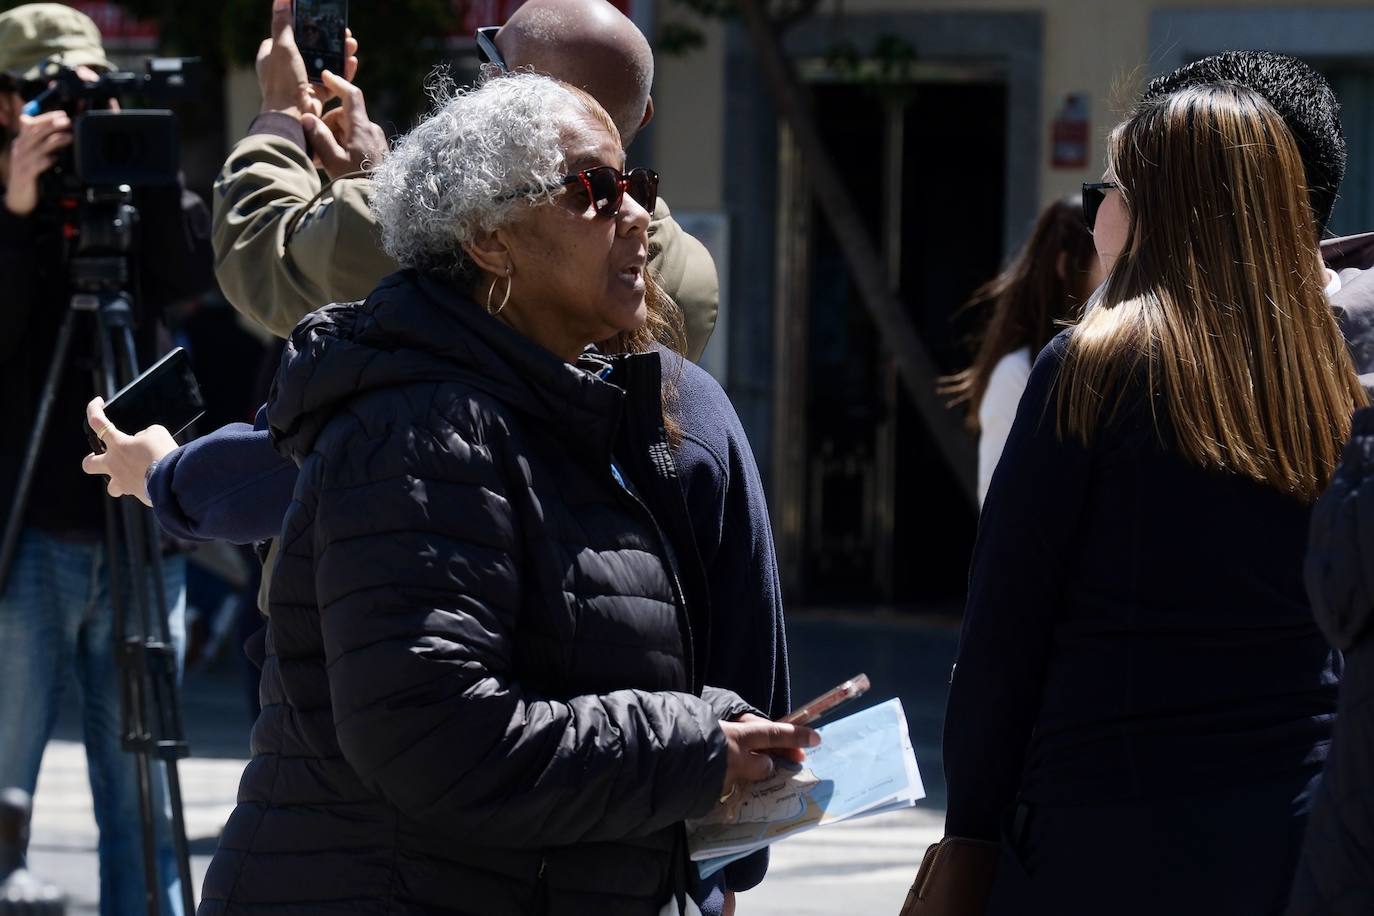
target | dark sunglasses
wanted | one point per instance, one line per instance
(607, 186)
(486, 47)
(1094, 192)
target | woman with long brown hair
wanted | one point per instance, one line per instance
(1045, 284)
(1142, 702)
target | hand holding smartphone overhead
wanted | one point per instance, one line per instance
(828, 702)
(166, 394)
(319, 28)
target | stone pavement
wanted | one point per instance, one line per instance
(862, 867)
(63, 846)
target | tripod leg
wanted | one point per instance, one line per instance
(157, 712)
(128, 647)
(146, 813)
(183, 850)
(167, 738)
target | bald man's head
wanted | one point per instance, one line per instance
(590, 44)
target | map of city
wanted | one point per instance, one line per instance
(864, 765)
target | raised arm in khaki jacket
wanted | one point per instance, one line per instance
(283, 248)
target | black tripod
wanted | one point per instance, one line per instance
(150, 717)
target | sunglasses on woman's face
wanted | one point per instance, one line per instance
(607, 186)
(1094, 193)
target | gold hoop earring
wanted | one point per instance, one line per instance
(504, 298)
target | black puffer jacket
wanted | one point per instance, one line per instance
(478, 696)
(1336, 873)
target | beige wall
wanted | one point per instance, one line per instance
(1095, 46)
(689, 130)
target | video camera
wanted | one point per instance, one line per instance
(138, 148)
(89, 191)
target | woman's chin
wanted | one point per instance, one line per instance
(632, 316)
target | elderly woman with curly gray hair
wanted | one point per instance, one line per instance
(483, 688)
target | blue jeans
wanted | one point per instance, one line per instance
(56, 621)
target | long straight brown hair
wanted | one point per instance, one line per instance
(1044, 285)
(1219, 295)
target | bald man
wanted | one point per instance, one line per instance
(590, 44)
(286, 245)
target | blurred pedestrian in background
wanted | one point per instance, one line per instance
(1045, 285)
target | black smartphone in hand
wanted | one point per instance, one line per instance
(319, 27)
(167, 394)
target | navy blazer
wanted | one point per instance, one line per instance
(1137, 627)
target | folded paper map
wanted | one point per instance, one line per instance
(864, 765)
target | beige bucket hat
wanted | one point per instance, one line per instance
(37, 34)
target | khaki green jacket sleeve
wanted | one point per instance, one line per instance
(687, 273)
(281, 252)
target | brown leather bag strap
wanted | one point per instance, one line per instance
(955, 879)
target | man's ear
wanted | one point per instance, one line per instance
(490, 253)
(648, 113)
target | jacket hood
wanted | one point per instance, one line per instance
(417, 328)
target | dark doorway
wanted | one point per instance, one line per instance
(885, 520)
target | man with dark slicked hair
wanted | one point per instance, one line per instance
(1310, 109)
(1301, 96)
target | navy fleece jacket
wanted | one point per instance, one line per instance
(228, 486)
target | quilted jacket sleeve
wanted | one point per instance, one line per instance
(1340, 550)
(418, 577)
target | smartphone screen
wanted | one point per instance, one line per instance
(167, 394)
(319, 28)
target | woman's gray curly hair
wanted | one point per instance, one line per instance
(465, 169)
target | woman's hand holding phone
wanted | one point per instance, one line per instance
(753, 741)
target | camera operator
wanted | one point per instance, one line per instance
(55, 612)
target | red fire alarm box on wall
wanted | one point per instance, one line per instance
(1070, 143)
